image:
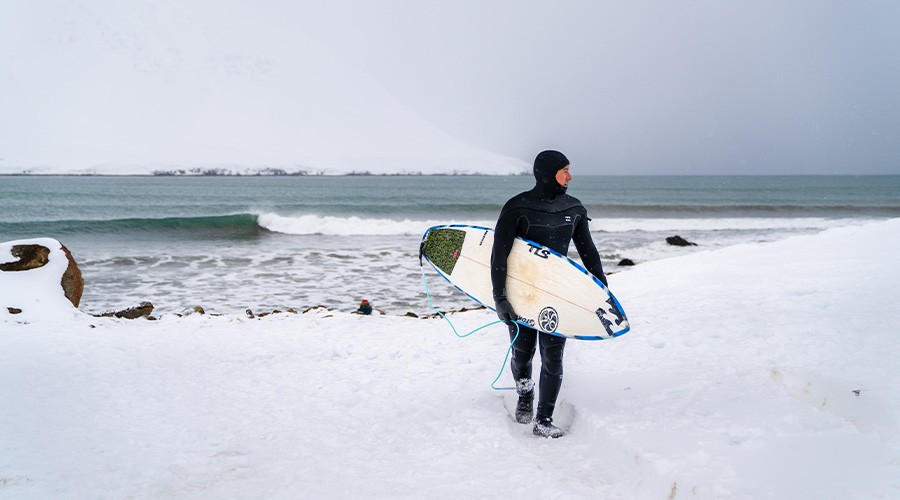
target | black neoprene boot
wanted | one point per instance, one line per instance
(525, 405)
(544, 428)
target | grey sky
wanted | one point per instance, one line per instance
(636, 87)
(640, 87)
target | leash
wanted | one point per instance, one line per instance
(462, 336)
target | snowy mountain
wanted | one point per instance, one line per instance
(141, 87)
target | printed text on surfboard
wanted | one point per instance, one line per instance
(540, 252)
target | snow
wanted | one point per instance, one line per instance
(762, 370)
(165, 86)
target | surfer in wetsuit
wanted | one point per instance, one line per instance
(545, 215)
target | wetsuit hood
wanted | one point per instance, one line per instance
(546, 165)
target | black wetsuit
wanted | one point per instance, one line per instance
(548, 216)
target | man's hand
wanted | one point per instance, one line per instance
(504, 310)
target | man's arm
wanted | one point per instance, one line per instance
(586, 249)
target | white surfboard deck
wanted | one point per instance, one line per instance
(549, 291)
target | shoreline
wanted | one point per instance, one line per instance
(523, 174)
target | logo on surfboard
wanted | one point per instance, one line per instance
(540, 252)
(548, 320)
(614, 311)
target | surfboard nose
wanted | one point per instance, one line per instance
(443, 247)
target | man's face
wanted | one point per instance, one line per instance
(563, 177)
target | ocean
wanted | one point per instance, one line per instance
(229, 244)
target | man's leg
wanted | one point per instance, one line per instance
(520, 363)
(552, 348)
(523, 351)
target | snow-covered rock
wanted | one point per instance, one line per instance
(39, 280)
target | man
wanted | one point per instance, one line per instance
(545, 215)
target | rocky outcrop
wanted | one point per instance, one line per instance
(451, 311)
(72, 282)
(678, 241)
(141, 310)
(626, 262)
(34, 256)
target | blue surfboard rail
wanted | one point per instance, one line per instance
(537, 245)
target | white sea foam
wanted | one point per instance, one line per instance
(714, 224)
(359, 226)
(350, 226)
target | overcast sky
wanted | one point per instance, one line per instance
(639, 87)
(624, 87)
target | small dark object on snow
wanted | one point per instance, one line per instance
(14, 310)
(250, 314)
(856, 392)
(678, 241)
(411, 314)
(626, 262)
(365, 307)
(142, 309)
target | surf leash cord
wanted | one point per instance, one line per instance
(464, 335)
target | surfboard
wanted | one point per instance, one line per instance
(549, 291)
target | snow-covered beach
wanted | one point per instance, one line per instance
(759, 370)
(237, 156)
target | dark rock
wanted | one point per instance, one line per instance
(264, 314)
(30, 257)
(274, 311)
(451, 311)
(199, 310)
(72, 282)
(678, 241)
(14, 310)
(626, 262)
(250, 314)
(411, 315)
(140, 310)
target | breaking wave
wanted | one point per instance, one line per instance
(248, 225)
(348, 226)
(224, 225)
